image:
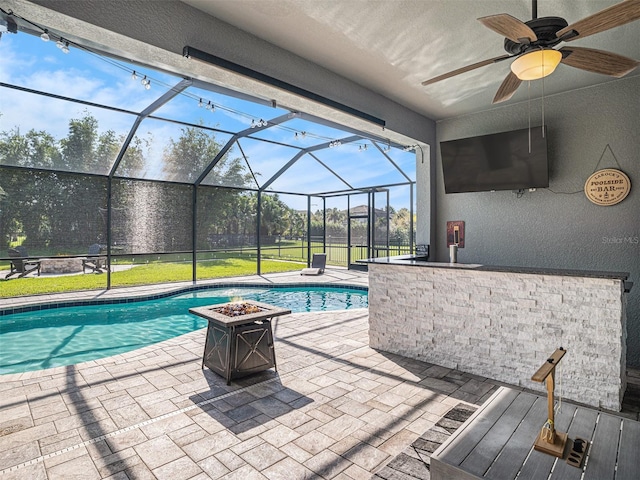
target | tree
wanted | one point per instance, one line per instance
(14, 148)
(297, 224)
(275, 215)
(55, 210)
(187, 157)
(336, 216)
(78, 149)
(133, 160)
(26, 190)
(43, 151)
(107, 150)
(400, 227)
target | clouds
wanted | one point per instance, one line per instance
(27, 111)
(40, 66)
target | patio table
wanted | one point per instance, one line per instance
(239, 343)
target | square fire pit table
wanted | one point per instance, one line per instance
(239, 338)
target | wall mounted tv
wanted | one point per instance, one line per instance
(501, 161)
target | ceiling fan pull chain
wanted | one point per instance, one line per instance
(542, 61)
(529, 94)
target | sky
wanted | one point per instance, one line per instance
(30, 62)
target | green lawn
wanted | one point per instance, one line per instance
(283, 257)
(142, 275)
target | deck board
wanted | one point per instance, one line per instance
(519, 445)
(503, 451)
(539, 464)
(486, 418)
(485, 452)
(629, 457)
(604, 448)
(582, 426)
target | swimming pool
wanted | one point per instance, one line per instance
(64, 336)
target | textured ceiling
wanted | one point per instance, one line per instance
(391, 46)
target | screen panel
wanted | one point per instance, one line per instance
(51, 213)
(360, 164)
(168, 151)
(150, 217)
(226, 219)
(37, 131)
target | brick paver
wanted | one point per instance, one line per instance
(335, 409)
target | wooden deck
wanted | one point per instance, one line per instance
(497, 443)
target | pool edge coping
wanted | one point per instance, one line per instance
(41, 304)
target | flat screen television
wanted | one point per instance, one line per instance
(501, 161)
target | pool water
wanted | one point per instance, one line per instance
(65, 336)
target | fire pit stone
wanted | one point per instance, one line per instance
(237, 309)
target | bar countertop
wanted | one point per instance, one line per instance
(421, 261)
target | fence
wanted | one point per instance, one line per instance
(336, 249)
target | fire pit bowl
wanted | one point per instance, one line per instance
(239, 313)
(238, 309)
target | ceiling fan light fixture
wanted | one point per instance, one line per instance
(536, 64)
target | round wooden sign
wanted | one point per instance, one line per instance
(607, 187)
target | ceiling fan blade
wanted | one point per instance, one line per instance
(614, 16)
(465, 69)
(507, 89)
(598, 61)
(509, 27)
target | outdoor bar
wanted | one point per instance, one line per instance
(501, 322)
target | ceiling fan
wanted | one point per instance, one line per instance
(531, 45)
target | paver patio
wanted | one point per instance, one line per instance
(335, 409)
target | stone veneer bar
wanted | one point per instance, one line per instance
(503, 323)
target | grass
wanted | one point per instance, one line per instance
(287, 256)
(151, 273)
